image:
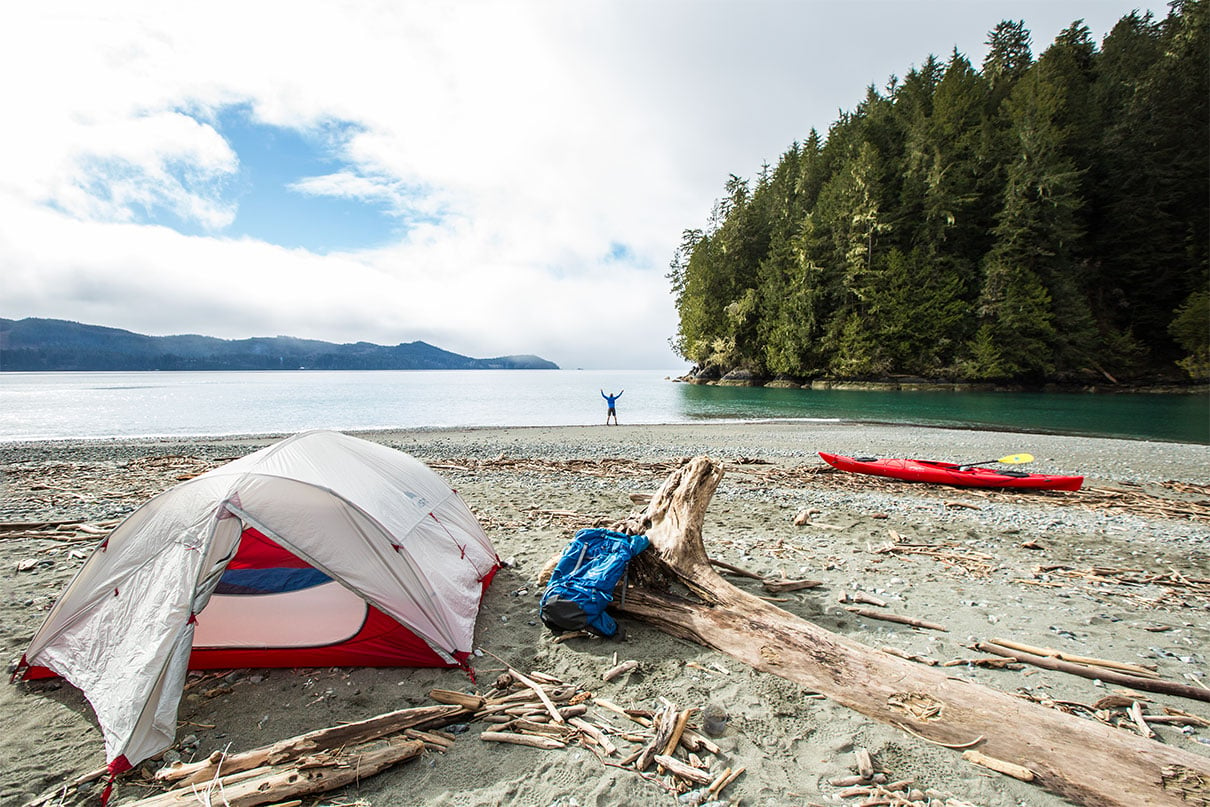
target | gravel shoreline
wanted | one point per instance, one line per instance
(1102, 461)
(1106, 458)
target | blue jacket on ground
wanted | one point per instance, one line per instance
(582, 584)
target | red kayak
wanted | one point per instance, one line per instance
(949, 473)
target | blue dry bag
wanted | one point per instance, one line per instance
(581, 586)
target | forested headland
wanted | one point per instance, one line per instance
(1032, 221)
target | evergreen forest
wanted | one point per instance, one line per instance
(1035, 220)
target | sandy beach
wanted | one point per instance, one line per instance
(1110, 572)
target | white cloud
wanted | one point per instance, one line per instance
(542, 132)
(165, 160)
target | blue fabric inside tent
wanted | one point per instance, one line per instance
(269, 581)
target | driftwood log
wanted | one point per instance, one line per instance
(305, 776)
(325, 739)
(1082, 760)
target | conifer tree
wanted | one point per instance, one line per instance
(1033, 220)
(1155, 231)
(1008, 57)
(1036, 231)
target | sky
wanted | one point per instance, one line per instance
(492, 177)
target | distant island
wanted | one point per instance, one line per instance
(39, 345)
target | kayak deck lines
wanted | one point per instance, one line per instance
(951, 473)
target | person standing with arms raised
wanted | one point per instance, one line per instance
(612, 411)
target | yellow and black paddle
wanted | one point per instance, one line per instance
(1011, 459)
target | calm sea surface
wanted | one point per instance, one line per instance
(39, 406)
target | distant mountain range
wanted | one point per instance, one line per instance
(53, 344)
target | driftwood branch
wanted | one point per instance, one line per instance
(1083, 760)
(618, 670)
(897, 618)
(1000, 766)
(521, 739)
(1106, 674)
(1120, 666)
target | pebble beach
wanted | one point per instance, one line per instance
(1118, 570)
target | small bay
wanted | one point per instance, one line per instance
(48, 406)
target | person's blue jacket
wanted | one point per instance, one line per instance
(582, 583)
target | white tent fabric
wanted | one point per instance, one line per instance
(379, 522)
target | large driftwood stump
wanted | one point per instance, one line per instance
(1085, 761)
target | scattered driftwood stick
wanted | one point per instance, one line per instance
(736, 569)
(865, 764)
(627, 713)
(1120, 666)
(577, 710)
(467, 701)
(433, 741)
(862, 790)
(523, 726)
(664, 725)
(619, 670)
(993, 662)
(850, 781)
(1081, 760)
(717, 787)
(596, 734)
(574, 634)
(541, 693)
(91, 776)
(537, 689)
(999, 765)
(778, 586)
(678, 731)
(1197, 682)
(1136, 714)
(692, 741)
(718, 780)
(1177, 720)
(1105, 674)
(895, 651)
(684, 770)
(548, 743)
(545, 678)
(861, 597)
(902, 620)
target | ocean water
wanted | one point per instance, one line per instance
(43, 406)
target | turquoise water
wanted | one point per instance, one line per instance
(39, 406)
(1173, 418)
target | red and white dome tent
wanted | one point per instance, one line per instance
(319, 550)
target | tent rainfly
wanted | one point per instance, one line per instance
(319, 550)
